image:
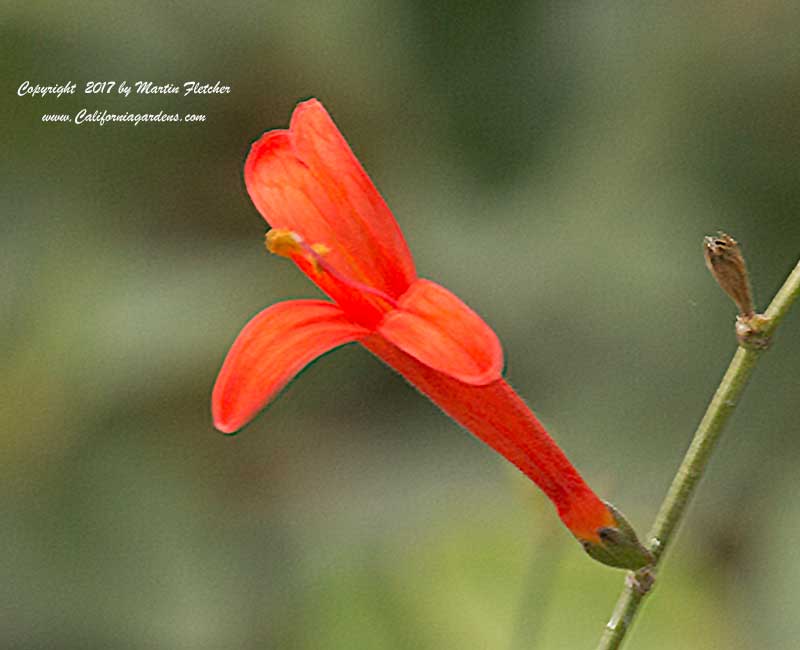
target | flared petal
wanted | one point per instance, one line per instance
(435, 327)
(271, 349)
(307, 180)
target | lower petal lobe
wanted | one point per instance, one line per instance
(271, 349)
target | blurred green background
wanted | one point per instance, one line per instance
(554, 164)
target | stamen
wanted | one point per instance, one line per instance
(283, 242)
(287, 243)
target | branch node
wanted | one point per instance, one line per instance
(751, 331)
(642, 581)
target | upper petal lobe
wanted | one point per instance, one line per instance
(306, 179)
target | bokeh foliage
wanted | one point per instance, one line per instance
(555, 164)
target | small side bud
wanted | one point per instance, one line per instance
(725, 261)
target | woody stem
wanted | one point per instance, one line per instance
(696, 459)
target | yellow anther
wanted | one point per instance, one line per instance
(284, 242)
(287, 243)
(317, 251)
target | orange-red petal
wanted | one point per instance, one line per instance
(498, 416)
(435, 327)
(307, 180)
(271, 349)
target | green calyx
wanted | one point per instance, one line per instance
(618, 546)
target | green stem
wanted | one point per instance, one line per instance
(694, 463)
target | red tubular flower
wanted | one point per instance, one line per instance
(327, 216)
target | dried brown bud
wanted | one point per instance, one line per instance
(725, 261)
